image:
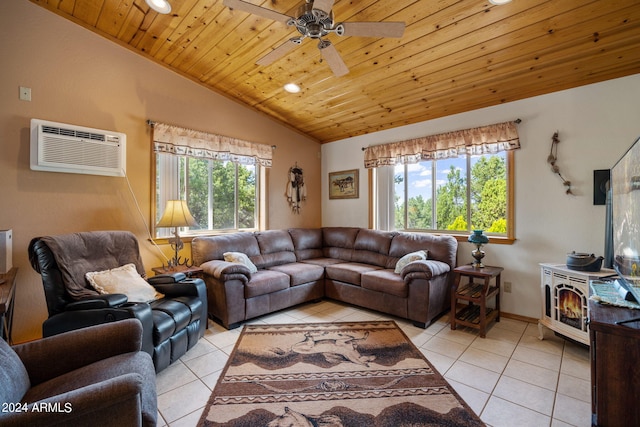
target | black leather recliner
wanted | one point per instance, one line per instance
(171, 325)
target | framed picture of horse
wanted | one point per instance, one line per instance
(344, 184)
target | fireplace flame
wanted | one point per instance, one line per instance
(570, 304)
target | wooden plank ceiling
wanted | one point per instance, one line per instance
(455, 55)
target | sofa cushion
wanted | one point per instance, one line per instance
(348, 272)
(123, 280)
(385, 281)
(412, 256)
(338, 242)
(208, 248)
(13, 375)
(300, 273)
(441, 248)
(307, 242)
(372, 247)
(240, 258)
(323, 262)
(276, 248)
(266, 282)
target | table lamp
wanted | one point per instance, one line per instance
(176, 214)
(478, 239)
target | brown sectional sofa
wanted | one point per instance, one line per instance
(353, 265)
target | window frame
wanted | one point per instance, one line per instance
(507, 238)
(261, 173)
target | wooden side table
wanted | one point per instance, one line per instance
(189, 271)
(7, 292)
(476, 314)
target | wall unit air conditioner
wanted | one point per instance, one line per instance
(59, 147)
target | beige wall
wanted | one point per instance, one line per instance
(596, 124)
(79, 78)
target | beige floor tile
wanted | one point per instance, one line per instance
(174, 376)
(188, 420)
(503, 348)
(524, 394)
(208, 363)
(502, 334)
(576, 368)
(532, 374)
(539, 358)
(440, 362)
(577, 388)
(183, 400)
(202, 347)
(445, 347)
(501, 413)
(512, 324)
(473, 376)
(572, 411)
(551, 343)
(558, 423)
(225, 338)
(461, 336)
(484, 359)
(577, 351)
(475, 398)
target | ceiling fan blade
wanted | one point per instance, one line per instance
(257, 10)
(324, 6)
(372, 29)
(279, 52)
(333, 58)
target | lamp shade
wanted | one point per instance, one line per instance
(176, 214)
(477, 238)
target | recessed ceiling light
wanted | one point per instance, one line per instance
(160, 6)
(292, 88)
(499, 2)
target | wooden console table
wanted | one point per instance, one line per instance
(476, 314)
(7, 291)
(615, 378)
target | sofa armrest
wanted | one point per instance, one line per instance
(186, 287)
(223, 270)
(100, 301)
(106, 400)
(75, 349)
(424, 269)
(167, 278)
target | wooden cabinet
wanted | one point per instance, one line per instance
(7, 292)
(615, 366)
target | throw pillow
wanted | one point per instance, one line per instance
(123, 280)
(241, 258)
(413, 256)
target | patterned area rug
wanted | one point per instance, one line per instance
(332, 375)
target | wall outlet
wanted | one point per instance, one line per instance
(25, 93)
(507, 287)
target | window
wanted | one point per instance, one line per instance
(221, 195)
(457, 194)
(219, 177)
(452, 182)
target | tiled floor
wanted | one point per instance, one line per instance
(510, 378)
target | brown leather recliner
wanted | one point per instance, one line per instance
(92, 376)
(171, 325)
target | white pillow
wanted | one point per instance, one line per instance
(240, 258)
(123, 280)
(413, 256)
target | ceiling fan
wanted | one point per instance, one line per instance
(315, 20)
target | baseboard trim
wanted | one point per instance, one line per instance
(518, 317)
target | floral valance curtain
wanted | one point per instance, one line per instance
(187, 142)
(481, 140)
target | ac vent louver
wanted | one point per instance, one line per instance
(57, 147)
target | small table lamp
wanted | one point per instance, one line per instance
(176, 214)
(478, 239)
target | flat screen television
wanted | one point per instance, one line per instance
(625, 221)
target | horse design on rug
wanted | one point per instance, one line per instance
(336, 347)
(291, 418)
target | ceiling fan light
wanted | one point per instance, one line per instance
(292, 88)
(160, 6)
(499, 2)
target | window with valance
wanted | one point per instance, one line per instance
(219, 177)
(452, 182)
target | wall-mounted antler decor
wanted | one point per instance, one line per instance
(296, 190)
(552, 159)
